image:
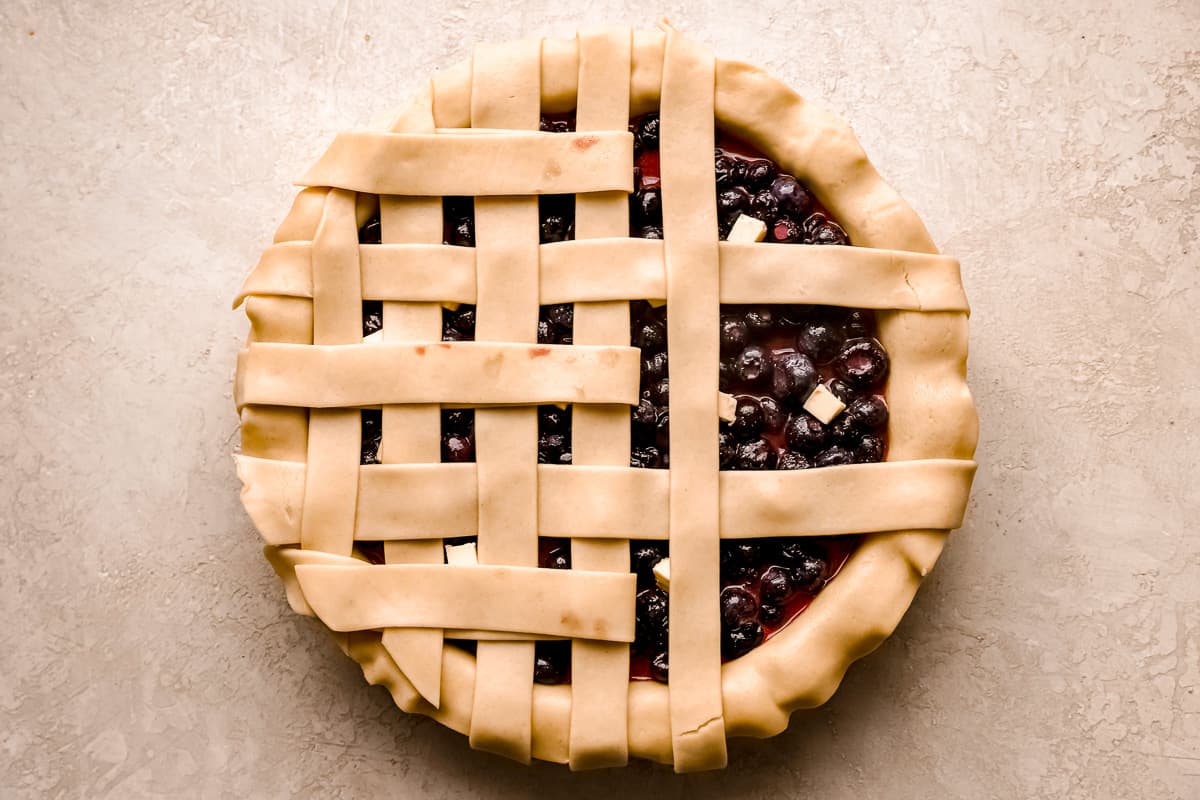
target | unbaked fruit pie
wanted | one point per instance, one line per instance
(604, 402)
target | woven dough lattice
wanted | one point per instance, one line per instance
(306, 373)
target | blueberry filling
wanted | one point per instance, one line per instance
(772, 357)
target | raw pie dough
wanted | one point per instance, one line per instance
(306, 372)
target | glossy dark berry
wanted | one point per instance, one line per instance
(650, 232)
(647, 457)
(868, 412)
(747, 419)
(789, 459)
(827, 233)
(859, 322)
(742, 552)
(558, 558)
(794, 315)
(786, 231)
(463, 320)
(809, 572)
(770, 615)
(553, 228)
(546, 668)
(737, 606)
(561, 316)
(774, 417)
(660, 392)
(546, 333)
(550, 447)
(760, 319)
(731, 202)
(460, 420)
(645, 416)
(794, 200)
(741, 639)
(457, 448)
(760, 173)
(650, 335)
(372, 317)
(794, 551)
(463, 233)
(763, 205)
(642, 558)
(654, 368)
(843, 391)
(648, 206)
(862, 363)
(793, 377)
(652, 615)
(726, 170)
(869, 450)
(371, 232)
(755, 455)
(648, 132)
(752, 366)
(660, 667)
(734, 334)
(820, 338)
(775, 585)
(727, 449)
(804, 433)
(833, 457)
(372, 435)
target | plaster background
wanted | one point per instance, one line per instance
(146, 150)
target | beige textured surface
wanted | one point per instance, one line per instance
(146, 152)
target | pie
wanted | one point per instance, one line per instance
(605, 402)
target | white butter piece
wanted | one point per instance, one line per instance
(824, 404)
(726, 406)
(747, 229)
(374, 338)
(462, 555)
(662, 574)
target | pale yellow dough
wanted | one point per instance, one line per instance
(306, 373)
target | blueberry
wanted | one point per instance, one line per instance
(773, 416)
(662, 432)
(727, 449)
(775, 585)
(550, 447)
(804, 433)
(732, 201)
(653, 611)
(648, 132)
(809, 572)
(645, 416)
(741, 639)
(372, 317)
(462, 420)
(546, 333)
(869, 450)
(819, 229)
(792, 460)
(648, 204)
(862, 363)
(549, 665)
(562, 317)
(372, 436)
(752, 365)
(659, 666)
(868, 412)
(734, 334)
(660, 392)
(794, 315)
(642, 558)
(843, 391)
(463, 233)
(647, 457)
(737, 606)
(760, 319)
(725, 375)
(760, 173)
(820, 338)
(747, 419)
(793, 377)
(763, 205)
(464, 320)
(553, 228)
(371, 232)
(650, 232)
(558, 558)
(859, 322)
(552, 419)
(786, 231)
(833, 456)
(726, 170)
(794, 551)
(755, 455)
(457, 448)
(770, 615)
(452, 334)
(654, 368)
(794, 200)
(741, 553)
(650, 336)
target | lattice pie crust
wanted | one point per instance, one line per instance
(306, 372)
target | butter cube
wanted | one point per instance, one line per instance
(662, 574)
(747, 229)
(462, 555)
(824, 404)
(726, 406)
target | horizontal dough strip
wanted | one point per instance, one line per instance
(420, 501)
(574, 603)
(467, 373)
(620, 268)
(497, 163)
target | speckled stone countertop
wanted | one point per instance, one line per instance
(146, 154)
